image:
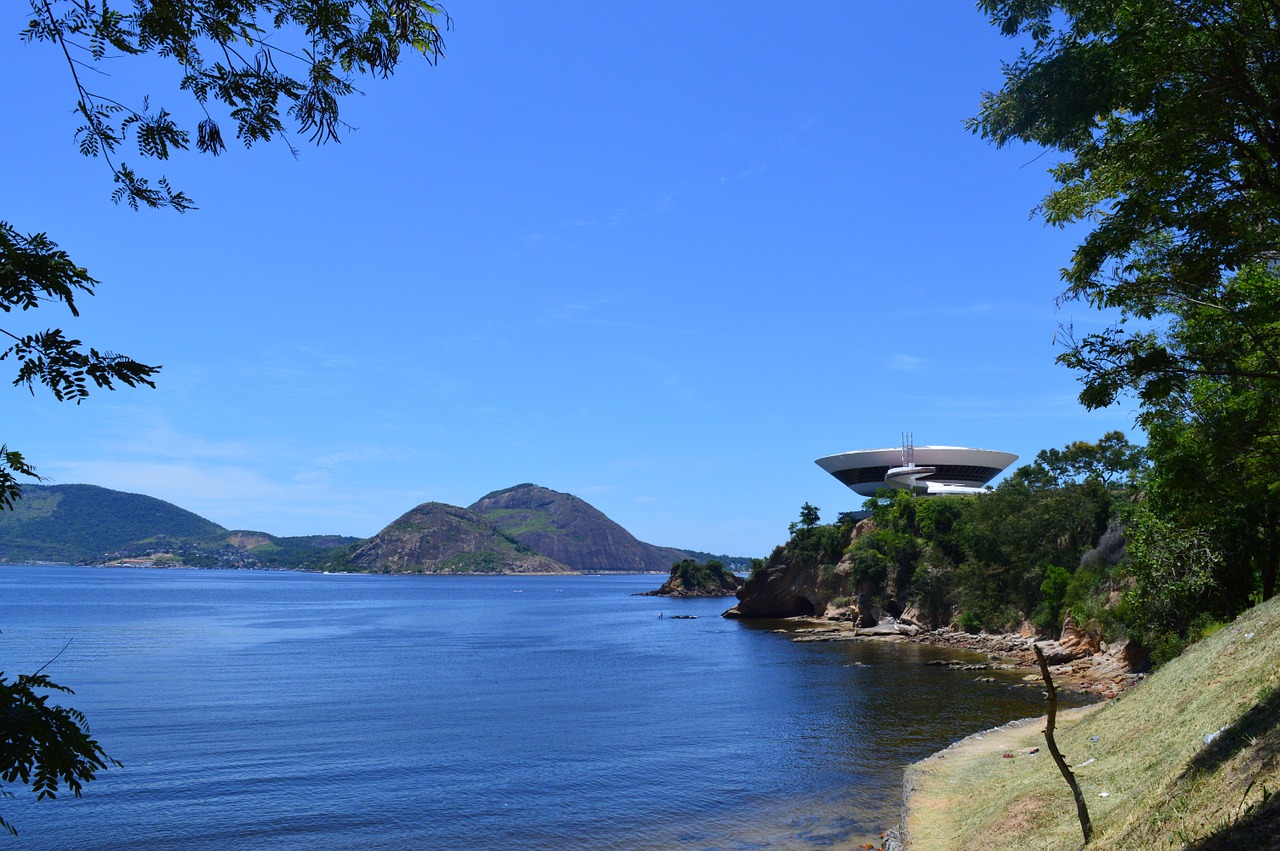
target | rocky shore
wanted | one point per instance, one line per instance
(1078, 661)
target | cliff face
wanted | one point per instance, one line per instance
(571, 531)
(781, 590)
(439, 538)
(799, 578)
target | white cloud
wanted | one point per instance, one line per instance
(908, 363)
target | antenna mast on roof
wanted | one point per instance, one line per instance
(908, 449)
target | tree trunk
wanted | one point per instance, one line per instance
(1081, 809)
(1269, 556)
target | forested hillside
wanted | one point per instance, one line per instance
(87, 524)
(73, 523)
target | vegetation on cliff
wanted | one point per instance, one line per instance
(1093, 532)
(1045, 543)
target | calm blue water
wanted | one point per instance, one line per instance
(289, 710)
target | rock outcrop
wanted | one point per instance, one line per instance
(690, 578)
(794, 583)
(780, 591)
(571, 531)
(439, 538)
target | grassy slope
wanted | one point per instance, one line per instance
(1165, 787)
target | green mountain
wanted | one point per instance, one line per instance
(570, 530)
(86, 524)
(524, 529)
(439, 538)
(76, 523)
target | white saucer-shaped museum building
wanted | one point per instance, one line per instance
(924, 470)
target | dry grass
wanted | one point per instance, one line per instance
(1152, 781)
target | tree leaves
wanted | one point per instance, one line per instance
(1165, 111)
(1167, 114)
(271, 59)
(35, 272)
(46, 747)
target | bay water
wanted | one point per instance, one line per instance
(256, 709)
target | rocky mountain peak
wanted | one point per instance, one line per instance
(570, 530)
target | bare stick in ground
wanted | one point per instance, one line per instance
(1081, 809)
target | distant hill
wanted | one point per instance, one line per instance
(73, 523)
(87, 524)
(523, 529)
(439, 538)
(572, 531)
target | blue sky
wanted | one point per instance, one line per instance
(661, 256)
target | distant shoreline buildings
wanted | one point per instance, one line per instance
(923, 470)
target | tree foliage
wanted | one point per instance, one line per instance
(1165, 113)
(1166, 117)
(1113, 461)
(810, 515)
(35, 272)
(248, 64)
(252, 62)
(42, 746)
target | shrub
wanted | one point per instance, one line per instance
(1053, 592)
(970, 622)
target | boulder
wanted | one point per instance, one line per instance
(1078, 641)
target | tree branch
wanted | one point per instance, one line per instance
(1082, 810)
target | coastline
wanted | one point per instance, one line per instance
(1096, 672)
(925, 803)
(1100, 671)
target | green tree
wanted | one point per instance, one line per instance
(1113, 461)
(1174, 566)
(1163, 111)
(1164, 115)
(250, 64)
(809, 517)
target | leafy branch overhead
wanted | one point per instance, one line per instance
(256, 63)
(253, 63)
(35, 272)
(1167, 116)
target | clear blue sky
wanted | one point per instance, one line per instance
(658, 255)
